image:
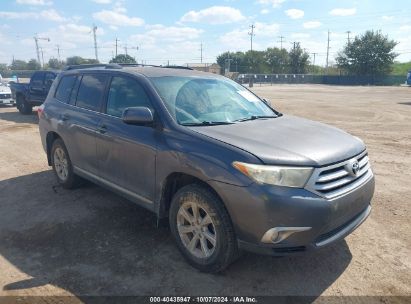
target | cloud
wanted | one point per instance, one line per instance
(343, 11)
(264, 11)
(312, 24)
(214, 15)
(117, 18)
(240, 40)
(294, 13)
(405, 28)
(102, 1)
(273, 3)
(34, 2)
(160, 32)
(50, 15)
(387, 18)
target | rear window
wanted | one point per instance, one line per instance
(65, 87)
(90, 92)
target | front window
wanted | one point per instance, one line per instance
(194, 100)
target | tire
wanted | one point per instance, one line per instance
(62, 167)
(23, 106)
(202, 254)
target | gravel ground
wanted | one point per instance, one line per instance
(92, 242)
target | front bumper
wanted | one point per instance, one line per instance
(256, 209)
(7, 101)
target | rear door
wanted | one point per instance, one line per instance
(127, 153)
(81, 119)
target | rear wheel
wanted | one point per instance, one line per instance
(23, 106)
(62, 166)
(202, 229)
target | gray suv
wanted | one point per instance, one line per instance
(228, 171)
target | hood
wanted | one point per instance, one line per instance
(288, 140)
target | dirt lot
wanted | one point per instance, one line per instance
(92, 242)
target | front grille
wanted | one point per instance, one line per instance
(335, 180)
(4, 96)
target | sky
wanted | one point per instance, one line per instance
(175, 31)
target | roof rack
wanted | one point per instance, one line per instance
(120, 66)
(87, 66)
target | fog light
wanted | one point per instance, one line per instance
(279, 234)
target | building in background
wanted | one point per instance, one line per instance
(205, 67)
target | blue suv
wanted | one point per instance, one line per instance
(228, 171)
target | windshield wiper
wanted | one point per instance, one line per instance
(206, 123)
(254, 117)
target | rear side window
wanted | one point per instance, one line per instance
(65, 87)
(125, 93)
(90, 92)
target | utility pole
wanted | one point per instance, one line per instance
(42, 57)
(251, 33)
(95, 40)
(117, 40)
(58, 51)
(282, 39)
(314, 54)
(348, 36)
(328, 50)
(36, 40)
(201, 52)
(125, 49)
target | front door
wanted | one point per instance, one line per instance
(127, 153)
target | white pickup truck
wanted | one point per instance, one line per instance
(5, 94)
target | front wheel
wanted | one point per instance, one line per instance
(202, 229)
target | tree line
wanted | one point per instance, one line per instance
(369, 54)
(55, 64)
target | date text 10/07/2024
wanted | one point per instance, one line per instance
(235, 299)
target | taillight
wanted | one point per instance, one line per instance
(40, 110)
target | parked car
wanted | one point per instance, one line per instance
(5, 95)
(228, 171)
(34, 93)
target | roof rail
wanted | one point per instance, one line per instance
(97, 65)
(121, 65)
(181, 67)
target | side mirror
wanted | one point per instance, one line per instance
(267, 102)
(138, 116)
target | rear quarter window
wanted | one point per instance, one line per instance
(65, 87)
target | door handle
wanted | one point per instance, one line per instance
(102, 129)
(64, 117)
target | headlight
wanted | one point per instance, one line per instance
(295, 177)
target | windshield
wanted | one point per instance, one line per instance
(207, 101)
